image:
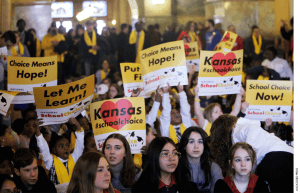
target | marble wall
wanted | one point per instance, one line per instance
(243, 15)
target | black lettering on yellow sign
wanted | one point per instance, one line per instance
(268, 97)
(190, 50)
(161, 60)
(31, 75)
(66, 101)
(116, 112)
(37, 64)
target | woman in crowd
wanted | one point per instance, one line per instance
(189, 35)
(115, 91)
(91, 174)
(124, 172)
(196, 161)
(162, 172)
(7, 184)
(240, 178)
(228, 130)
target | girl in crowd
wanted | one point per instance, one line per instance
(115, 91)
(189, 35)
(89, 143)
(240, 178)
(124, 172)
(91, 174)
(213, 111)
(27, 133)
(162, 172)
(195, 160)
(228, 130)
(7, 184)
(60, 162)
(6, 161)
(105, 71)
(6, 138)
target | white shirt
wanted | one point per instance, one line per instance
(281, 66)
(262, 142)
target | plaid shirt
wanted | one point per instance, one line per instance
(52, 173)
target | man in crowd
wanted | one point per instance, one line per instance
(26, 38)
(212, 35)
(29, 176)
(122, 41)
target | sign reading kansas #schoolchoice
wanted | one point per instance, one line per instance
(162, 64)
(24, 73)
(220, 72)
(269, 99)
(125, 116)
(192, 55)
(56, 104)
(132, 79)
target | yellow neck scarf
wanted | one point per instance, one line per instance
(61, 171)
(73, 141)
(103, 74)
(90, 42)
(132, 40)
(172, 132)
(21, 50)
(38, 47)
(192, 36)
(257, 47)
(137, 159)
(260, 77)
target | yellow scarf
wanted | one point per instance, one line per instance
(38, 47)
(260, 77)
(137, 159)
(257, 47)
(61, 171)
(172, 132)
(103, 74)
(192, 36)
(132, 40)
(73, 141)
(14, 52)
(90, 42)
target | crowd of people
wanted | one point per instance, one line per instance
(193, 143)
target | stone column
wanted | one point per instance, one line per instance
(5, 16)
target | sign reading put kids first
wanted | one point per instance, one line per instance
(269, 99)
(56, 104)
(220, 72)
(162, 64)
(132, 78)
(24, 73)
(125, 116)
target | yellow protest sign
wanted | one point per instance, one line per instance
(192, 55)
(6, 98)
(162, 64)
(227, 42)
(57, 104)
(123, 115)
(220, 72)
(269, 99)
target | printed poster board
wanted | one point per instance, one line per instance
(56, 104)
(162, 64)
(220, 73)
(192, 55)
(125, 116)
(227, 42)
(132, 79)
(6, 98)
(269, 99)
(24, 73)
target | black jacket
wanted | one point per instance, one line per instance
(42, 185)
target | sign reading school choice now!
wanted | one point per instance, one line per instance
(220, 72)
(56, 104)
(162, 64)
(269, 99)
(125, 116)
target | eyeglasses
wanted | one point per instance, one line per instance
(14, 191)
(167, 156)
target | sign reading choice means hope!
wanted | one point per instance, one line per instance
(125, 116)
(24, 73)
(227, 42)
(192, 55)
(56, 104)
(162, 64)
(132, 78)
(220, 72)
(269, 99)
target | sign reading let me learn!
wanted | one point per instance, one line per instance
(220, 72)
(162, 64)
(269, 99)
(125, 116)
